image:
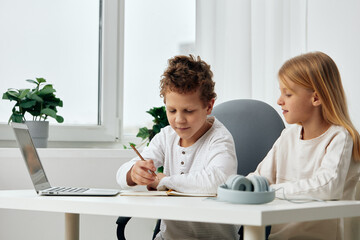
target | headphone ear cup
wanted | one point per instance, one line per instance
(242, 184)
(238, 182)
(230, 181)
(266, 184)
(260, 183)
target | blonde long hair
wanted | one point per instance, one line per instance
(318, 72)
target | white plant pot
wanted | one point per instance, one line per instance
(39, 132)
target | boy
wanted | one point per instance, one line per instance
(196, 151)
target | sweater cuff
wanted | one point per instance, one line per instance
(121, 177)
(163, 184)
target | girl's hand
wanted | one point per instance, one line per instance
(139, 174)
(153, 186)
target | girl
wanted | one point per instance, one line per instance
(319, 156)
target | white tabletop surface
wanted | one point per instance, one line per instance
(181, 208)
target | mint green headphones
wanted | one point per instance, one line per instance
(246, 190)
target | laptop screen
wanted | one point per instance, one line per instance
(31, 157)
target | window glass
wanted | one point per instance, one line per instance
(154, 32)
(57, 40)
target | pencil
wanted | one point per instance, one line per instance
(136, 151)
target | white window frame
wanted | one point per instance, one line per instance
(111, 86)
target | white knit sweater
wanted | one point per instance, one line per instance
(200, 168)
(321, 168)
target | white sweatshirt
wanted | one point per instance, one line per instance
(200, 168)
(320, 168)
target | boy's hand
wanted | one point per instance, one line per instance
(139, 173)
(153, 186)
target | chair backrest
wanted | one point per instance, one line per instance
(255, 126)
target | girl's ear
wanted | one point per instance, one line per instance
(210, 106)
(316, 100)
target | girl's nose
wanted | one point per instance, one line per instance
(280, 101)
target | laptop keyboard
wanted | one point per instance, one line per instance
(68, 189)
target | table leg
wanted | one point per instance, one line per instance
(352, 228)
(254, 233)
(71, 226)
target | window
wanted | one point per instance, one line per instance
(65, 42)
(59, 40)
(154, 31)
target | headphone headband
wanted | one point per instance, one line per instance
(251, 190)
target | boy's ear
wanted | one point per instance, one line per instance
(210, 106)
(316, 100)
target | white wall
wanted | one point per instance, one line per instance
(71, 167)
(246, 42)
(334, 27)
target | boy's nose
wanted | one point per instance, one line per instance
(179, 118)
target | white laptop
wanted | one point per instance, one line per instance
(37, 173)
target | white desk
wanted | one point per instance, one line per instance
(253, 217)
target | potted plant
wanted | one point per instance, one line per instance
(160, 120)
(40, 102)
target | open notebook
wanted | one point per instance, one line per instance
(37, 172)
(164, 193)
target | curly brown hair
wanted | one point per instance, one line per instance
(187, 74)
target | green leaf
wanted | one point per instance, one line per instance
(50, 103)
(143, 133)
(23, 93)
(55, 102)
(40, 80)
(18, 118)
(5, 96)
(163, 124)
(13, 93)
(53, 108)
(59, 119)
(159, 114)
(132, 144)
(34, 112)
(155, 112)
(27, 103)
(11, 98)
(48, 89)
(31, 81)
(32, 95)
(151, 134)
(14, 109)
(49, 112)
(160, 169)
(156, 129)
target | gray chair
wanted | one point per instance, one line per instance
(255, 126)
